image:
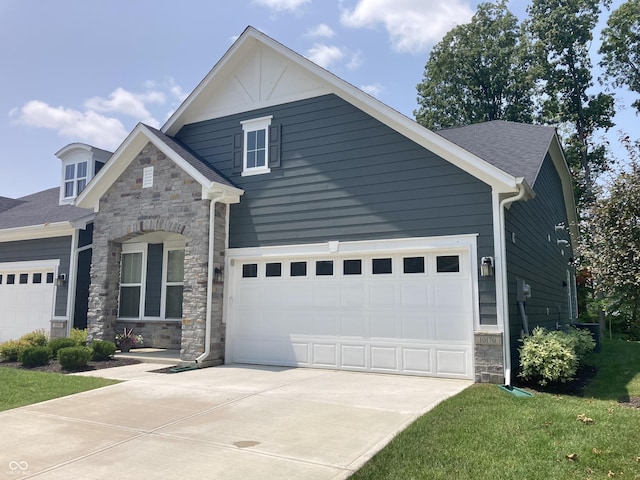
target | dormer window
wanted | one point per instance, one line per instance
(80, 163)
(75, 179)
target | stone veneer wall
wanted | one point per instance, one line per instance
(173, 204)
(157, 334)
(489, 357)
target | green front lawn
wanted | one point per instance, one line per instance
(22, 387)
(485, 433)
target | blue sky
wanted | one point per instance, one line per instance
(89, 71)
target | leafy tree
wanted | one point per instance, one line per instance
(621, 47)
(614, 243)
(478, 72)
(562, 33)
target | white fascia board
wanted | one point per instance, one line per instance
(475, 166)
(47, 230)
(109, 173)
(172, 125)
(336, 248)
(126, 153)
(566, 179)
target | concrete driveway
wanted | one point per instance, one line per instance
(231, 422)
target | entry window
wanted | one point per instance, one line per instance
(381, 266)
(37, 278)
(273, 269)
(447, 263)
(24, 278)
(298, 269)
(130, 284)
(413, 264)
(249, 270)
(11, 279)
(352, 267)
(324, 267)
(175, 283)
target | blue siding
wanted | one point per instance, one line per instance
(346, 176)
(42, 249)
(537, 260)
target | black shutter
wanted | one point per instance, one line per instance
(237, 153)
(274, 146)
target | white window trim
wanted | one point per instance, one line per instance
(90, 173)
(165, 272)
(135, 248)
(255, 124)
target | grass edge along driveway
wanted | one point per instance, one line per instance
(22, 387)
(485, 433)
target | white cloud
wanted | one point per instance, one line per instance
(121, 101)
(355, 61)
(374, 89)
(413, 25)
(321, 31)
(325, 55)
(88, 126)
(91, 125)
(280, 5)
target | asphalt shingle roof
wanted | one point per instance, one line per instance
(209, 172)
(516, 148)
(38, 209)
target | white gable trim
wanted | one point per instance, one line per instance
(127, 152)
(499, 180)
(557, 155)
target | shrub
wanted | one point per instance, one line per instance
(37, 338)
(80, 336)
(10, 350)
(35, 356)
(58, 343)
(73, 358)
(548, 357)
(102, 350)
(583, 341)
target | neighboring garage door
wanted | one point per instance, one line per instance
(26, 298)
(410, 312)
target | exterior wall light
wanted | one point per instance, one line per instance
(486, 267)
(218, 275)
(62, 278)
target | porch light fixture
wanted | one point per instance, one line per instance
(218, 275)
(62, 277)
(562, 243)
(486, 267)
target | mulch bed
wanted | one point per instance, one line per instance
(54, 365)
(575, 387)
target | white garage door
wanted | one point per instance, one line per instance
(409, 312)
(26, 298)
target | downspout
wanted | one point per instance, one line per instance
(505, 299)
(210, 273)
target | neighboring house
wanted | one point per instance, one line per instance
(281, 216)
(45, 251)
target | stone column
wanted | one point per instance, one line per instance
(104, 288)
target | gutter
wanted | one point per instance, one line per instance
(522, 190)
(207, 332)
